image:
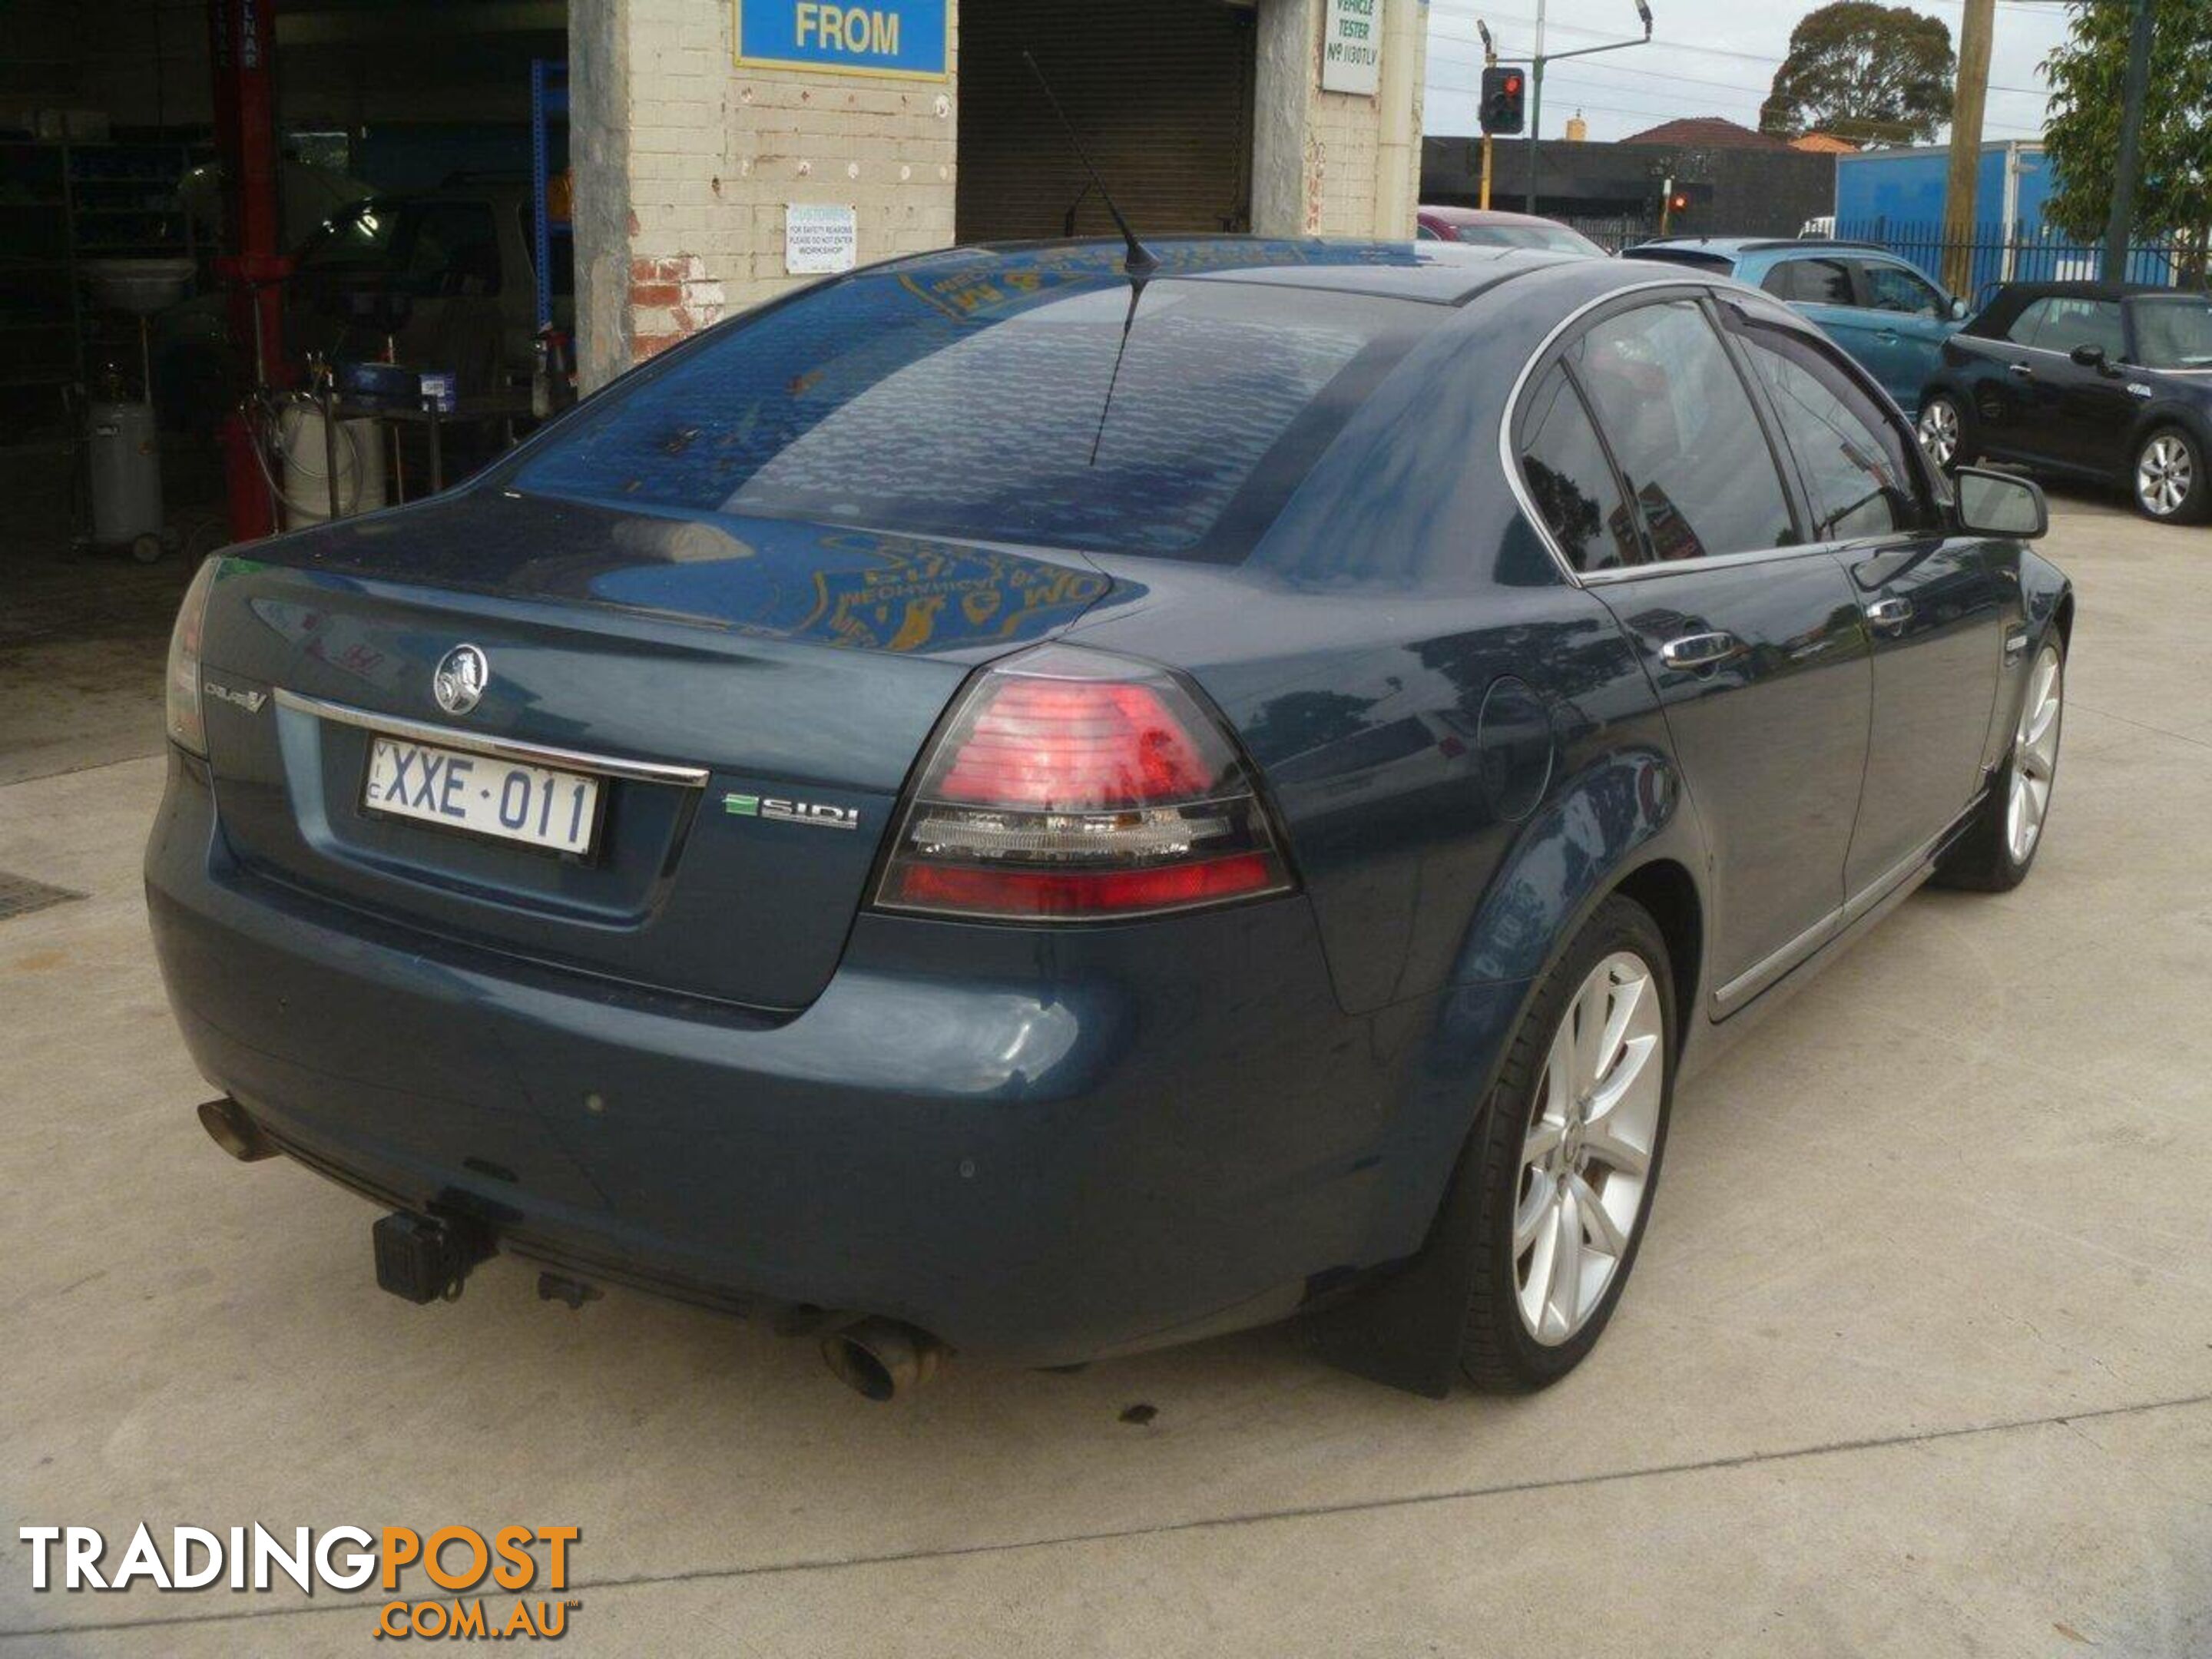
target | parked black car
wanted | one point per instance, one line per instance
(1002, 803)
(2102, 380)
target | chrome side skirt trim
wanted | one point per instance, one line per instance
(1763, 973)
(1881, 886)
(1854, 910)
(480, 743)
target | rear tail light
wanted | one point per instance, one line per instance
(1070, 785)
(187, 728)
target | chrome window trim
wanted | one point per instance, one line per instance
(1724, 560)
(1510, 415)
(1512, 462)
(480, 743)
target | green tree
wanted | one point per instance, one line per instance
(2174, 189)
(1863, 71)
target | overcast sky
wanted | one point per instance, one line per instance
(1706, 58)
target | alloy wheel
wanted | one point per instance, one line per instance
(1586, 1162)
(2034, 756)
(1939, 431)
(2164, 472)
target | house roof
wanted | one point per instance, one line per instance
(1708, 132)
(1825, 143)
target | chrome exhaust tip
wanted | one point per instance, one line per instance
(229, 1127)
(882, 1359)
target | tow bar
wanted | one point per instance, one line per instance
(421, 1258)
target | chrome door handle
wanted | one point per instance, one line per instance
(1889, 613)
(2021, 370)
(1887, 336)
(1699, 650)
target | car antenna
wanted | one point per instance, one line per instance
(1139, 260)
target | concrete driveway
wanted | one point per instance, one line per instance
(1918, 1359)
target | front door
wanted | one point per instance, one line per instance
(1753, 642)
(1910, 318)
(1929, 601)
(2085, 413)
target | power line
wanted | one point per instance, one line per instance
(1471, 11)
(1689, 80)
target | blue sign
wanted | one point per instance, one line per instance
(905, 38)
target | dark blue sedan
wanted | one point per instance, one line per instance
(1004, 805)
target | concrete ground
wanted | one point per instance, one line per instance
(1918, 1359)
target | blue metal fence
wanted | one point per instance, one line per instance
(2030, 253)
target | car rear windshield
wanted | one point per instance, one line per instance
(1703, 258)
(1552, 239)
(1048, 404)
(2174, 333)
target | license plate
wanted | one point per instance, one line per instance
(482, 794)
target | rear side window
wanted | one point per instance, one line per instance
(1856, 461)
(1057, 405)
(1811, 282)
(1681, 427)
(1570, 480)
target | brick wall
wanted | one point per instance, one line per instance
(1319, 156)
(714, 153)
(708, 153)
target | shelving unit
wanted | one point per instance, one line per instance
(549, 102)
(40, 307)
(62, 204)
(123, 204)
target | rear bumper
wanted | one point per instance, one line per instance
(1041, 1145)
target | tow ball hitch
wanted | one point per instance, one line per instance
(421, 1258)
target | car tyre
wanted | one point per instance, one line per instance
(1999, 846)
(2168, 479)
(1566, 1156)
(1945, 435)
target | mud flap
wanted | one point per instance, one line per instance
(1403, 1330)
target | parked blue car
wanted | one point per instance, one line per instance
(1877, 307)
(1022, 803)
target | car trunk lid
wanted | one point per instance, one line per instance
(747, 695)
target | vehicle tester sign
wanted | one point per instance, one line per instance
(905, 38)
(1352, 48)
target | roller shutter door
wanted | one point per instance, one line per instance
(1160, 92)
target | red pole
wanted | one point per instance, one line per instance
(242, 39)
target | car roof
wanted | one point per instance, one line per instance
(1436, 273)
(1732, 247)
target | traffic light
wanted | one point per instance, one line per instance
(1503, 91)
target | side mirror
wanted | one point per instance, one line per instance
(1957, 311)
(2088, 356)
(1999, 504)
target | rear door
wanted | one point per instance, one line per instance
(1930, 600)
(1753, 641)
